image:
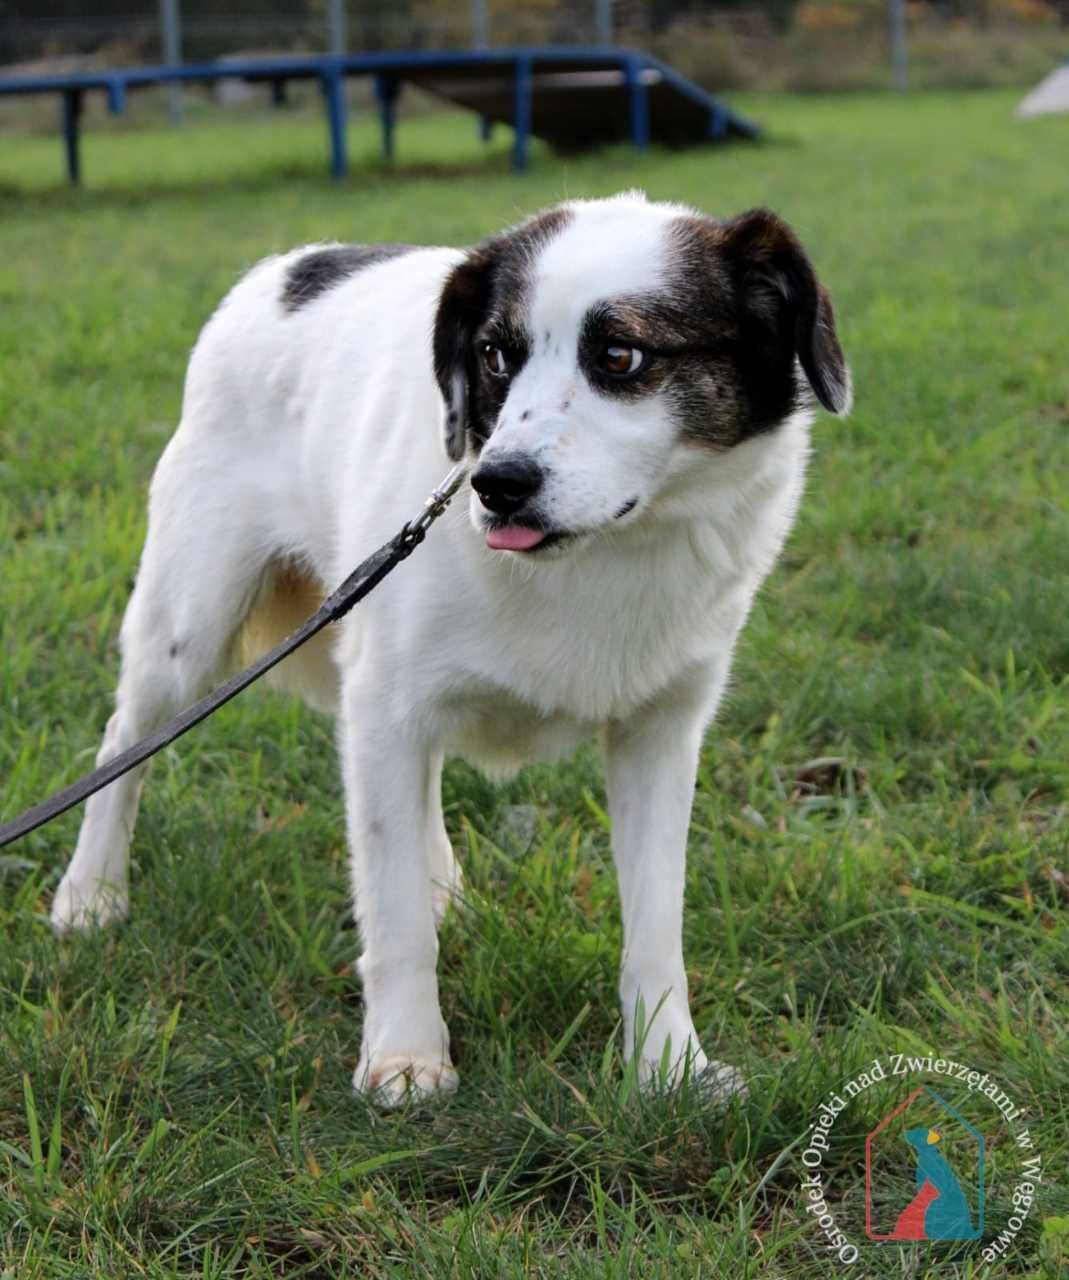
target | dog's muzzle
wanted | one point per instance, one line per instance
(507, 488)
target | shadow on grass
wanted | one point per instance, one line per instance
(311, 175)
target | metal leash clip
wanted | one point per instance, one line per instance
(434, 505)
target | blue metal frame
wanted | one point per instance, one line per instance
(638, 104)
(71, 112)
(332, 84)
(388, 70)
(521, 111)
(387, 91)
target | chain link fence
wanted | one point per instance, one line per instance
(802, 45)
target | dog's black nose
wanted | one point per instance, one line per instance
(503, 487)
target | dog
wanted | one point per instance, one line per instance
(631, 385)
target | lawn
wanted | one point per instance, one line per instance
(174, 1094)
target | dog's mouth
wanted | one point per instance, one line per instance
(522, 537)
(534, 537)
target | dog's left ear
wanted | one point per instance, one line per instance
(461, 307)
(784, 309)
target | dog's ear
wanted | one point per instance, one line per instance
(462, 306)
(784, 309)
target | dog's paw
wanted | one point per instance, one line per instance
(392, 1081)
(720, 1081)
(79, 907)
(714, 1081)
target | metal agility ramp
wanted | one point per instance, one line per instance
(579, 99)
(575, 99)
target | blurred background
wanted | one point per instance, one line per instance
(796, 45)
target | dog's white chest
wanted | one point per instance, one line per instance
(568, 649)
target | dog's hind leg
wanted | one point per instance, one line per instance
(447, 880)
(201, 567)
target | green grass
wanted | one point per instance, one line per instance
(174, 1095)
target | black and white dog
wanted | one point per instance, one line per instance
(632, 384)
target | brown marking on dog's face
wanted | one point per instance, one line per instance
(485, 302)
(719, 343)
(686, 357)
(752, 296)
(721, 337)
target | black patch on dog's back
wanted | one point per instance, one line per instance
(322, 269)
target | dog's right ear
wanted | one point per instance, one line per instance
(462, 306)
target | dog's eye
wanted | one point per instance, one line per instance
(494, 359)
(621, 361)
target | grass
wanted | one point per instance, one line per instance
(174, 1095)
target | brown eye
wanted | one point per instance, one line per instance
(622, 361)
(494, 359)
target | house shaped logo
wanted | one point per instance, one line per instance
(924, 1173)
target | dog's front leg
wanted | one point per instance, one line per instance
(405, 1050)
(652, 764)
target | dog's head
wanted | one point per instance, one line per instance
(591, 352)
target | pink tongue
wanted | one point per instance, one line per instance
(513, 537)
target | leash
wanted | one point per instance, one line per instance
(363, 579)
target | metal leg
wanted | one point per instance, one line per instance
(72, 109)
(333, 86)
(486, 128)
(387, 90)
(116, 97)
(521, 113)
(638, 106)
(278, 93)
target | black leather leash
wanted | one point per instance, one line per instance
(363, 579)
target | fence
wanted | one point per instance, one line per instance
(776, 44)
